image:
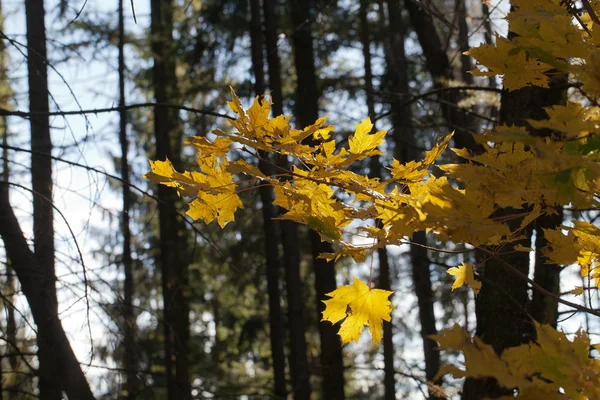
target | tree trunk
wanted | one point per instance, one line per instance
(41, 183)
(503, 317)
(544, 309)
(438, 65)
(389, 380)
(404, 139)
(9, 288)
(289, 230)
(463, 42)
(307, 112)
(129, 328)
(276, 333)
(273, 62)
(173, 257)
(66, 373)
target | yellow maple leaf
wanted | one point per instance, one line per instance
(218, 148)
(362, 143)
(360, 306)
(507, 59)
(187, 183)
(464, 274)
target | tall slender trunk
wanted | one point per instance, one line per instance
(307, 112)
(389, 381)
(9, 291)
(173, 258)
(273, 62)
(270, 228)
(404, 138)
(544, 309)
(289, 231)
(463, 42)
(487, 37)
(67, 373)
(487, 23)
(41, 182)
(438, 65)
(129, 328)
(9, 287)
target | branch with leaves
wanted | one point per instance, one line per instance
(512, 170)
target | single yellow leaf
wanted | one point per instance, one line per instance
(359, 306)
(188, 184)
(464, 274)
(362, 143)
(219, 147)
(242, 167)
(578, 291)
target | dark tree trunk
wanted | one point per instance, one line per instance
(389, 381)
(66, 373)
(173, 257)
(487, 23)
(404, 139)
(41, 182)
(503, 316)
(273, 62)
(276, 333)
(297, 326)
(438, 65)
(307, 112)
(9, 291)
(544, 309)
(289, 230)
(463, 42)
(129, 356)
(9, 287)
(422, 281)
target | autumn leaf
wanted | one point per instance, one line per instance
(187, 183)
(578, 291)
(539, 370)
(362, 143)
(359, 306)
(464, 274)
(517, 67)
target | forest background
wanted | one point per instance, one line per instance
(125, 286)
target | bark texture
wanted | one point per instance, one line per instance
(173, 258)
(276, 331)
(129, 356)
(298, 361)
(41, 183)
(307, 112)
(405, 151)
(503, 307)
(438, 65)
(389, 380)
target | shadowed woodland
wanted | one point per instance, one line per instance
(113, 287)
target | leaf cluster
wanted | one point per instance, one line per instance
(532, 176)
